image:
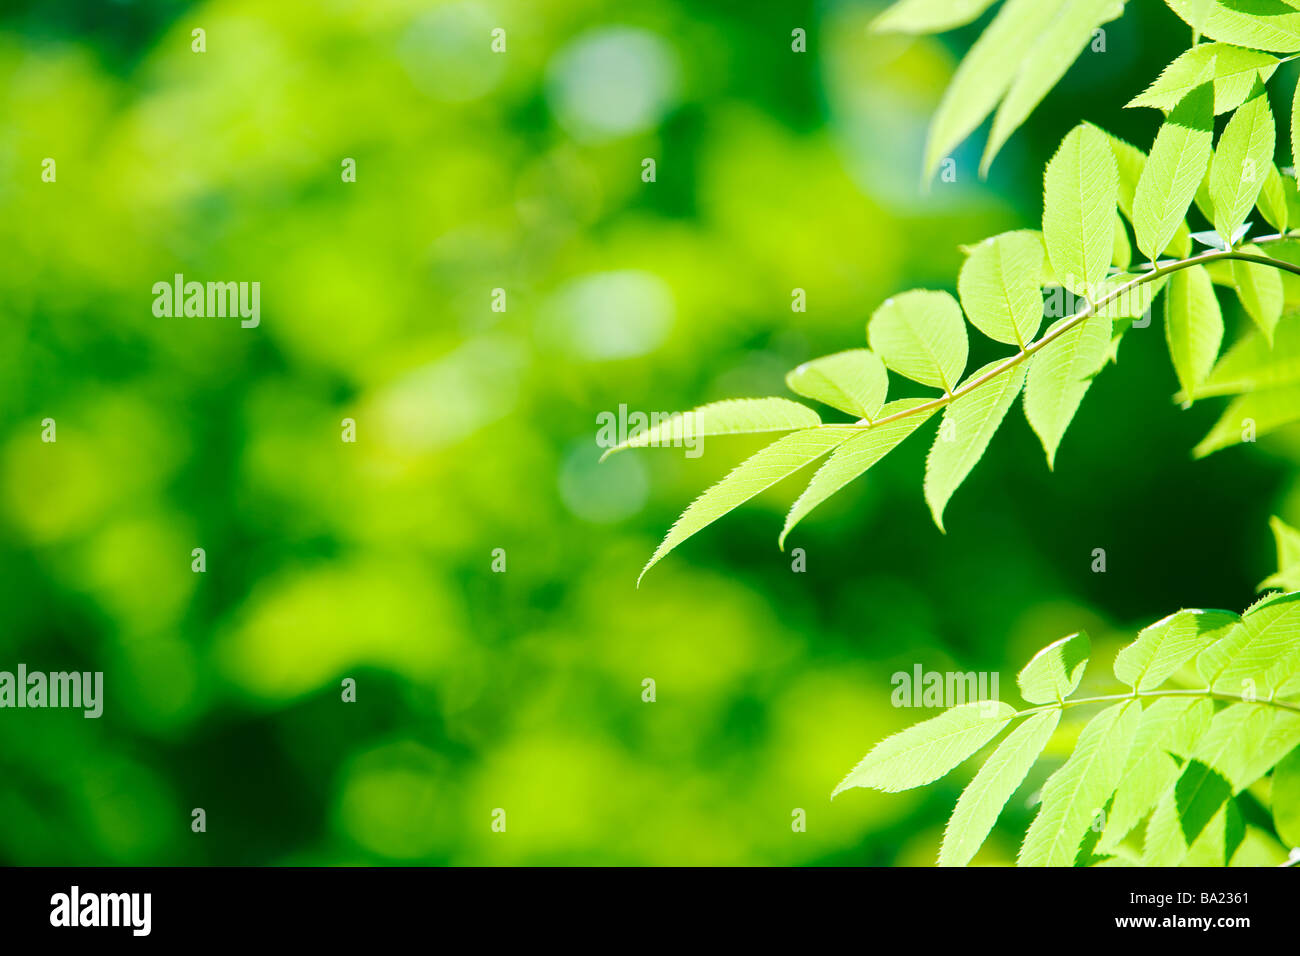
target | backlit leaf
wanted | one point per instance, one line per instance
(1077, 793)
(1193, 326)
(854, 381)
(922, 335)
(1054, 672)
(1080, 190)
(855, 456)
(1000, 287)
(1174, 169)
(964, 433)
(926, 751)
(761, 471)
(982, 801)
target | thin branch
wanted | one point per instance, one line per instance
(1159, 272)
(1111, 698)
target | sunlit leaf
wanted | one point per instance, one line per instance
(926, 751)
(1250, 416)
(1260, 289)
(1174, 169)
(985, 74)
(1193, 326)
(1259, 24)
(1060, 374)
(967, 427)
(1054, 672)
(1241, 162)
(1000, 286)
(1287, 539)
(778, 460)
(1163, 647)
(855, 456)
(738, 416)
(1235, 72)
(1075, 795)
(922, 335)
(982, 801)
(854, 381)
(1044, 63)
(1080, 190)
(929, 16)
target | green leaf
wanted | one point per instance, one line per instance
(741, 416)
(1263, 648)
(1055, 671)
(985, 74)
(1260, 289)
(1000, 286)
(982, 801)
(1163, 647)
(1122, 255)
(1250, 416)
(1272, 199)
(968, 424)
(928, 16)
(1261, 754)
(1174, 169)
(1241, 163)
(855, 456)
(1044, 63)
(922, 335)
(1193, 326)
(1259, 24)
(1169, 725)
(1075, 795)
(1060, 374)
(1080, 190)
(1253, 365)
(1288, 557)
(1198, 11)
(1286, 799)
(1130, 162)
(926, 751)
(1235, 72)
(854, 381)
(761, 471)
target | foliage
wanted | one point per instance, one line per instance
(1076, 270)
(1213, 705)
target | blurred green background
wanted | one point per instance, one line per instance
(476, 431)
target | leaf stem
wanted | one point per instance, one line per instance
(1160, 271)
(1109, 698)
